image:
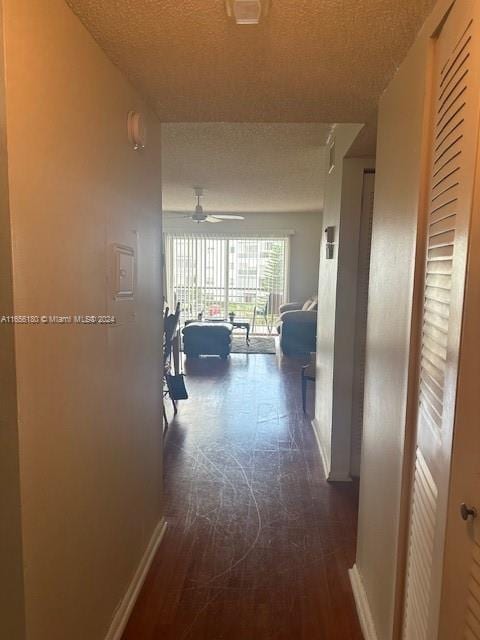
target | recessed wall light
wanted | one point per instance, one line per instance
(247, 11)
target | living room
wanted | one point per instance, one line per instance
(266, 182)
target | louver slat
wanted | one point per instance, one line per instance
(445, 181)
(420, 554)
(472, 620)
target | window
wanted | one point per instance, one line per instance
(217, 275)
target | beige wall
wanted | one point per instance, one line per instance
(392, 277)
(89, 400)
(337, 285)
(12, 621)
(304, 246)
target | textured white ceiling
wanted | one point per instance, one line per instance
(309, 61)
(244, 167)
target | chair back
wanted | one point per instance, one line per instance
(170, 328)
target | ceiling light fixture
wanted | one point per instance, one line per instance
(247, 11)
(200, 216)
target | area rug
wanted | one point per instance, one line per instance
(258, 344)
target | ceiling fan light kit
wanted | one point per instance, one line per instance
(199, 214)
(247, 11)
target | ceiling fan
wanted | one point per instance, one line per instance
(200, 216)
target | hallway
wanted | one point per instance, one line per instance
(258, 544)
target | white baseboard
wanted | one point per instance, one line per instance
(361, 602)
(339, 477)
(331, 477)
(323, 455)
(127, 603)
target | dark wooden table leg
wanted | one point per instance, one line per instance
(176, 352)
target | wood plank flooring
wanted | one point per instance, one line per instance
(258, 543)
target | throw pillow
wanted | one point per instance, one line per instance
(306, 304)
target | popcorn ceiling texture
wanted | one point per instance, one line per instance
(309, 61)
(256, 167)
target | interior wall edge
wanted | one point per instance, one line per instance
(342, 137)
(345, 318)
(12, 605)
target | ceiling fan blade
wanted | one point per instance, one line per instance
(228, 216)
(212, 219)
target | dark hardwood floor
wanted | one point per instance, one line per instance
(258, 543)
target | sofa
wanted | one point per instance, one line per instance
(298, 327)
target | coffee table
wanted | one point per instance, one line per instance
(236, 324)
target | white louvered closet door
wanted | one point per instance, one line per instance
(453, 148)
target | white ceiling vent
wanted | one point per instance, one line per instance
(247, 11)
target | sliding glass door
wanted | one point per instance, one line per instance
(217, 275)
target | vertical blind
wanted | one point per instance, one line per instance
(215, 274)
